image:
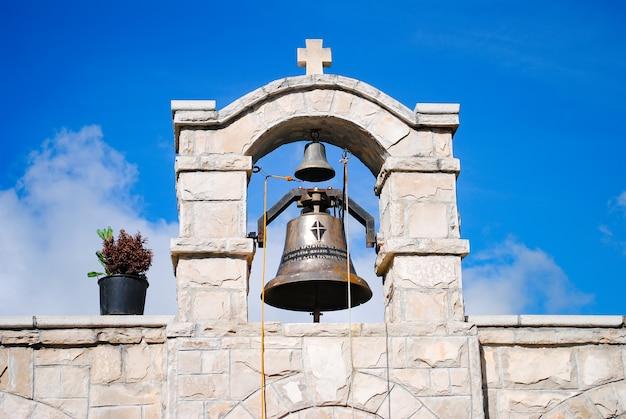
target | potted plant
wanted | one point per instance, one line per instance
(123, 283)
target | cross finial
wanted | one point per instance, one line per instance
(314, 57)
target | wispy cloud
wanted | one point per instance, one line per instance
(74, 184)
(511, 278)
(612, 233)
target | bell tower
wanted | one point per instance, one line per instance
(423, 362)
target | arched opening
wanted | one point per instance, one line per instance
(333, 130)
(283, 160)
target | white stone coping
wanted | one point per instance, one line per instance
(445, 115)
(82, 322)
(415, 164)
(192, 105)
(214, 162)
(421, 247)
(437, 108)
(529, 320)
(231, 247)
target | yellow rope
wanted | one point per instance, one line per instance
(347, 231)
(288, 179)
(263, 406)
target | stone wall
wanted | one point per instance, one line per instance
(96, 367)
(154, 367)
(553, 366)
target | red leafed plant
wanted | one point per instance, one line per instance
(125, 256)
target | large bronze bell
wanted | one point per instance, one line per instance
(313, 271)
(314, 166)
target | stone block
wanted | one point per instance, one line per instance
(414, 144)
(16, 371)
(327, 369)
(116, 412)
(143, 363)
(117, 394)
(439, 381)
(459, 381)
(599, 364)
(490, 366)
(389, 129)
(107, 364)
(48, 382)
(215, 362)
(190, 409)
(457, 407)
(206, 219)
(368, 391)
(442, 143)
(422, 187)
(547, 368)
(214, 304)
(212, 186)
(202, 387)
(444, 352)
(529, 401)
(65, 356)
(68, 337)
(219, 272)
(76, 408)
(425, 307)
(427, 220)
(426, 271)
(117, 336)
(218, 410)
(403, 404)
(369, 352)
(415, 380)
(74, 381)
(293, 390)
(189, 362)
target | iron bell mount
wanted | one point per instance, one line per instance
(313, 275)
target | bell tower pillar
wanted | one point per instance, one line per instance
(420, 247)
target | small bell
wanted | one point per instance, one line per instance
(314, 166)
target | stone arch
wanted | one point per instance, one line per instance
(409, 153)
(14, 406)
(294, 396)
(605, 401)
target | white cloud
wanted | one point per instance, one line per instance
(513, 279)
(73, 185)
(620, 201)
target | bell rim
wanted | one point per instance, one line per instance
(357, 282)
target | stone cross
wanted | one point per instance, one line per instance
(314, 57)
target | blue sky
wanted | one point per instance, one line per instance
(542, 192)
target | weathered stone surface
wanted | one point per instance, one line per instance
(16, 372)
(219, 272)
(368, 391)
(116, 412)
(548, 368)
(403, 404)
(107, 364)
(599, 365)
(207, 219)
(426, 271)
(211, 186)
(427, 220)
(326, 368)
(117, 394)
(425, 307)
(527, 401)
(143, 363)
(64, 356)
(416, 380)
(490, 366)
(437, 353)
(202, 387)
(68, 337)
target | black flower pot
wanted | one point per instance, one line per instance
(122, 294)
